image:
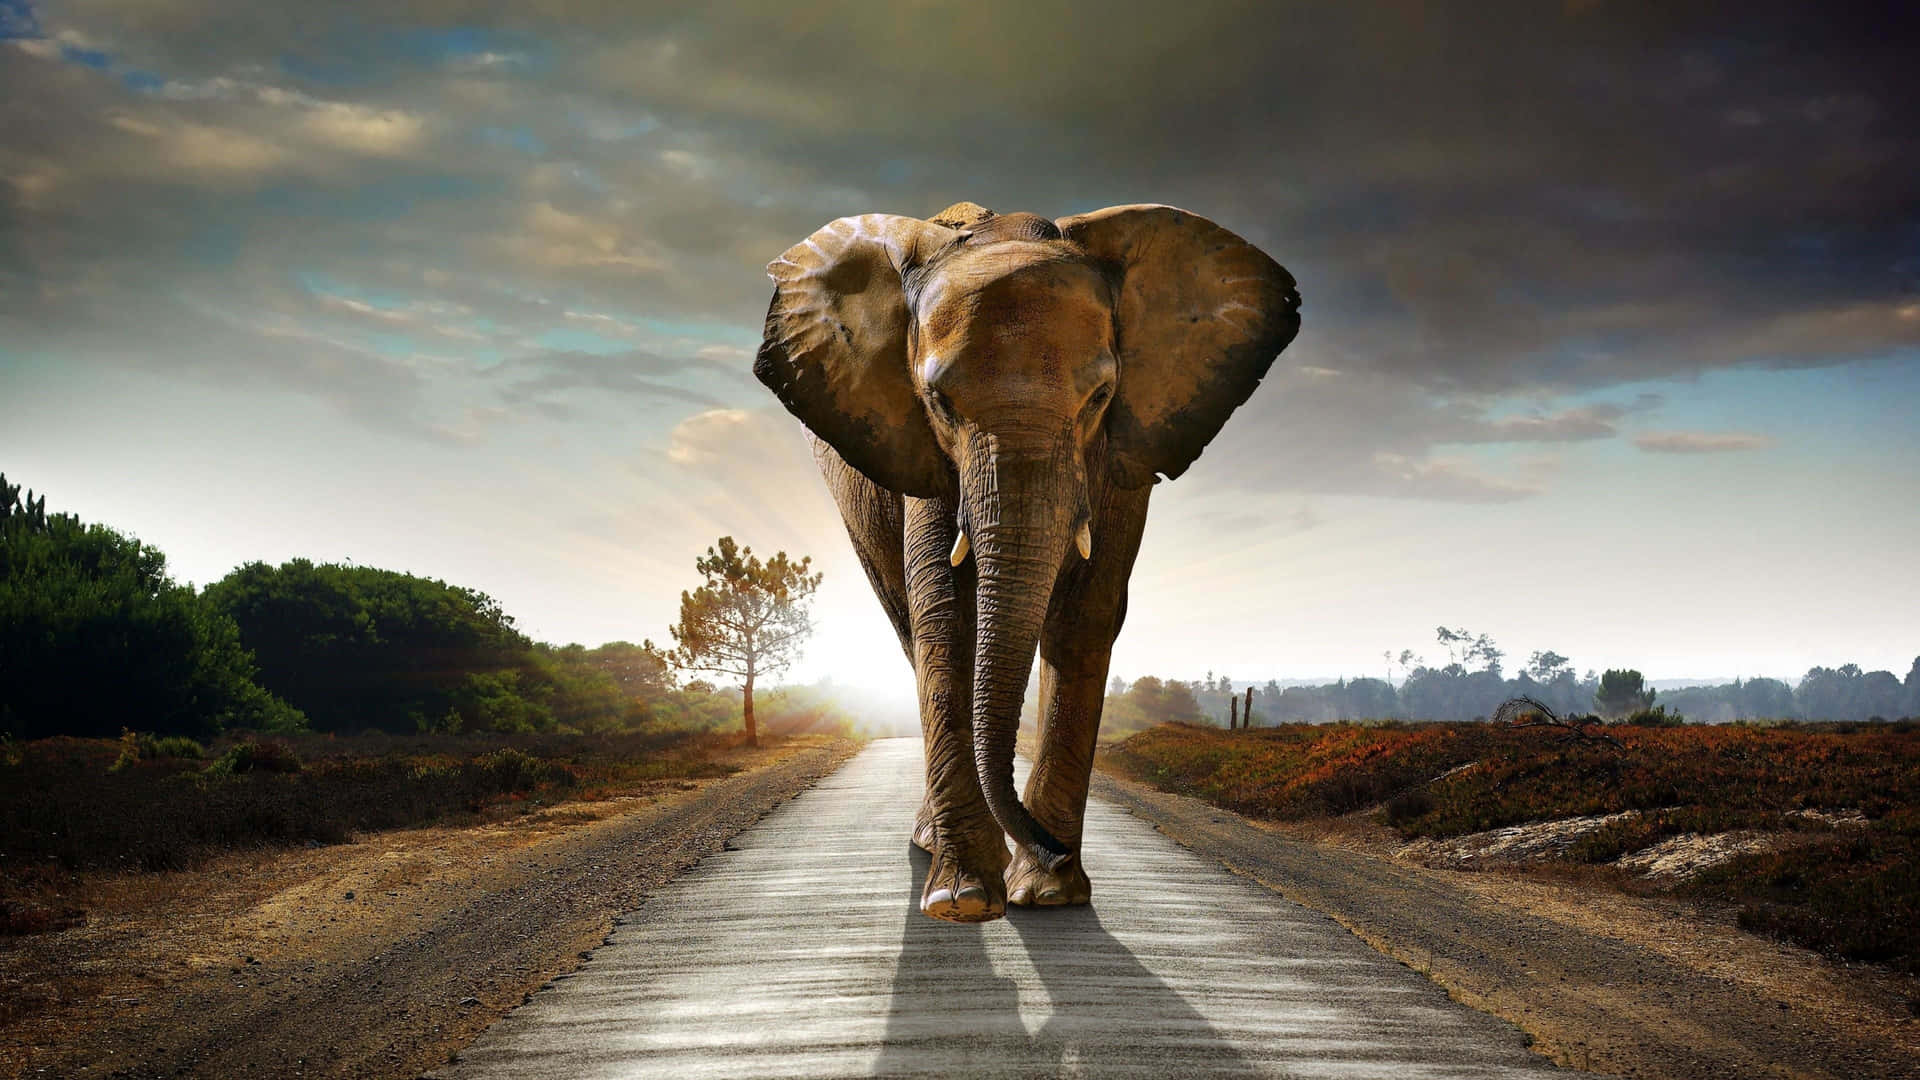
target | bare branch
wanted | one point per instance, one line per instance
(1525, 712)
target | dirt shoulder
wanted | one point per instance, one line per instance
(371, 959)
(1631, 986)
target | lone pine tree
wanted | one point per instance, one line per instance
(747, 620)
(1622, 691)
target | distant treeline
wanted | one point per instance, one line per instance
(1472, 684)
(96, 638)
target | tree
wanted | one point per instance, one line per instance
(642, 674)
(1458, 643)
(1622, 691)
(1368, 699)
(1829, 693)
(95, 636)
(1159, 702)
(357, 648)
(748, 619)
(1880, 695)
(1761, 697)
(1487, 653)
(1463, 647)
(1543, 666)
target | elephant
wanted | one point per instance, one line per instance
(1010, 388)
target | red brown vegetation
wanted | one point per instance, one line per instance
(1852, 892)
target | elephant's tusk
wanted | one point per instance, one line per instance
(1084, 540)
(960, 547)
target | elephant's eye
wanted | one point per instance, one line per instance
(941, 406)
(1100, 397)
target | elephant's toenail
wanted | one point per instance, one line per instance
(937, 897)
(971, 892)
(1049, 895)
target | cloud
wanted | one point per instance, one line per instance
(705, 437)
(1701, 442)
(203, 151)
(362, 130)
(629, 378)
(558, 239)
(1568, 425)
(751, 472)
(472, 427)
(1445, 478)
(1314, 428)
(1609, 198)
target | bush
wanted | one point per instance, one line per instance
(249, 756)
(178, 746)
(136, 747)
(1658, 716)
(1851, 892)
(61, 802)
(1855, 895)
(508, 769)
(1408, 805)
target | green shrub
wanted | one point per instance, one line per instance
(1658, 716)
(250, 756)
(137, 746)
(178, 746)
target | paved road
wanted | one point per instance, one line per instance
(802, 953)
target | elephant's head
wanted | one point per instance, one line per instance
(1001, 361)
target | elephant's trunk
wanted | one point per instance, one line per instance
(1020, 513)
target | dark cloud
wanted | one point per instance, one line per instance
(1487, 204)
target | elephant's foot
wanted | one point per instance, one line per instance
(1031, 885)
(965, 882)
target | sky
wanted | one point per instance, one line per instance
(1611, 323)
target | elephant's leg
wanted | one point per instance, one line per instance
(875, 520)
(1089, 604)
(876, 523)
(966, 881)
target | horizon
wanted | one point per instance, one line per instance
(1610, 349)
(811, 675)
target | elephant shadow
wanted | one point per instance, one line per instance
(953, 1014)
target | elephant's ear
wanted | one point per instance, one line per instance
(1199, 316)
(835, 347)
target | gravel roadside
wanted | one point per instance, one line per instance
(375, 959)
(1615, 985)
